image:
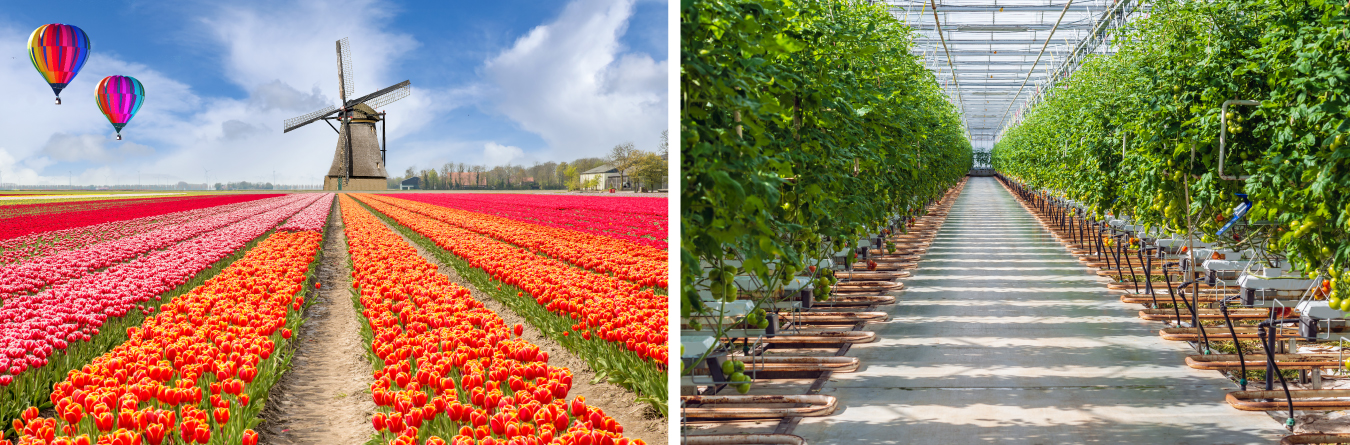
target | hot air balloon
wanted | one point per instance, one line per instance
(58, 52)
(119, 97)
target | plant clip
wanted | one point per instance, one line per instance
(1237, 214)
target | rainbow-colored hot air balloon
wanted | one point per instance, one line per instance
(58, 52)
(119, 98)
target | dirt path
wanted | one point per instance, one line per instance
(617, 402)
(325, 397)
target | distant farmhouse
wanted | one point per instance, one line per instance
(606, 177)
(412, 183)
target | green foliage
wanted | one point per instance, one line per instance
(801, 121)
(1162, 92)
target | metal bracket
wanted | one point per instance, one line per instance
(1237, 215)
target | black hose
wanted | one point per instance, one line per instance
(1148, 272)
(1195, 315)
(1176, 308)
(1133, 278)
(1242, 362)
(1270, 357)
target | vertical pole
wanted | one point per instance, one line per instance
(347, 132)
(384, 140)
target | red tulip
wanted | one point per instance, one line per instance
(155, 433)
(222, 416)
(73, 415)
(250, 438)
(104, 421)
(379, 421)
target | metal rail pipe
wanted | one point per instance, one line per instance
(750, 439)
(817, 406)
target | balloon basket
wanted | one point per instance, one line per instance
(119, 136)
(58, 101)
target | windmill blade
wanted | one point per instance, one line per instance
(399, 91)
(346, 79)
(395, 92)
(300, 121)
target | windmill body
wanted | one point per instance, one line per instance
(359, 159)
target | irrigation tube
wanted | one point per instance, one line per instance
(1270, 361)
(1237, 343)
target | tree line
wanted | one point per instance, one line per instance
(636, 167)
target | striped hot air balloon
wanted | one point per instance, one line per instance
(58, 52)
(119, 98)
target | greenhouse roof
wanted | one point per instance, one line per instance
(994, 57)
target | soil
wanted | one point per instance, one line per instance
(639, 421)
(325, 397)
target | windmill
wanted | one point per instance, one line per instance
(359, 161)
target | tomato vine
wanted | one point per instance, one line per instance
(1136, 133)
(801, 122)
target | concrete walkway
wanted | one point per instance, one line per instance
(1003, 337)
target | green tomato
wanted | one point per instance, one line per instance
(729, 367)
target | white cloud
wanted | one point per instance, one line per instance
(569, 82)
(497, 154)
(90, 148)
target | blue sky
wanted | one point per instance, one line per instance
(494, 82)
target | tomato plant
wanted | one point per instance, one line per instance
(801, 122)
(1161, 95)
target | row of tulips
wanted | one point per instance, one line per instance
(10, 207)
(32, 276)
(20, 220)
(638, 220)
(608, 308)
(449, 369)
(44, 335)
(312, 218)
(640, 264)
(33, 246)
(198, 371)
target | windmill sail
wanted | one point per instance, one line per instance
(399, 91)
(300, 121)
(346, 80)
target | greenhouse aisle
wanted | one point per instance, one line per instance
(1004, 337)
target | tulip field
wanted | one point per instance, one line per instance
(170, 320)
(474, 380)
(639, 220)
(603, 297)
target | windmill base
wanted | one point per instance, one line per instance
(355, 184)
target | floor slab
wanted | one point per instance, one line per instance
(1001, 336)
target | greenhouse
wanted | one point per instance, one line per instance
(1017, 221)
